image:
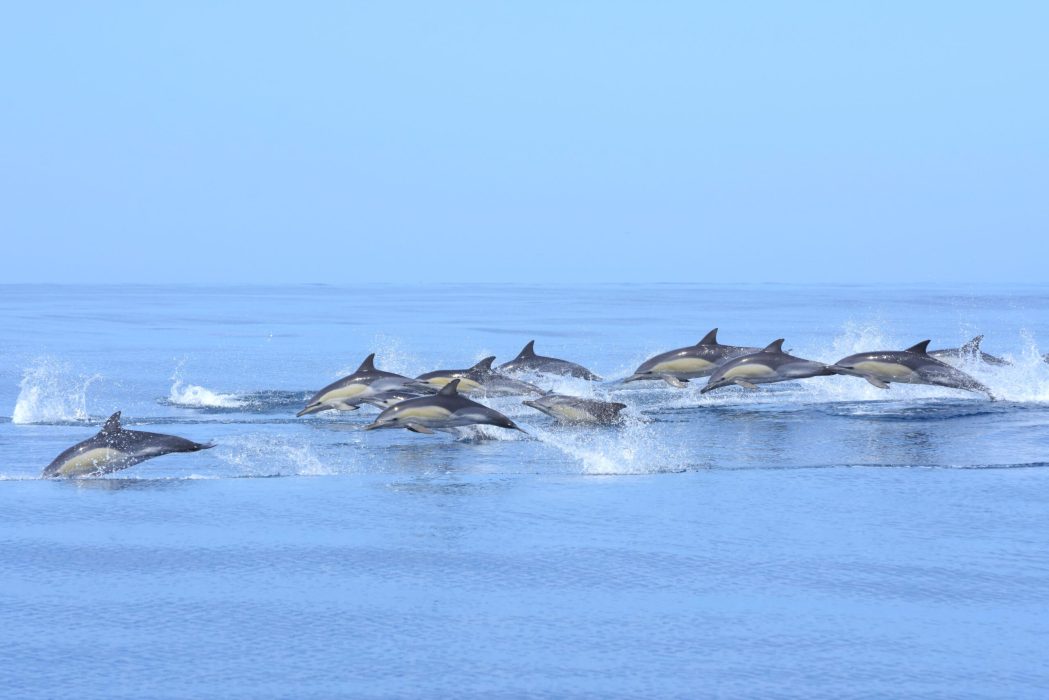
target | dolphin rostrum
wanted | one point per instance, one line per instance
(676, 367)
(764, 367)
(446, 410)
(528, 361)
(573, 409)
(969, 351)
(911, 366)
(113, 449)
(349, 392)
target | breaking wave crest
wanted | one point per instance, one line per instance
(51, 392)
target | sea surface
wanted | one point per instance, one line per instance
(813, 539)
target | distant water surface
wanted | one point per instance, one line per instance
(821, 538)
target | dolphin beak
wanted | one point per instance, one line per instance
(633, 378)
(707, 388)
(530, 403)
(312, 408)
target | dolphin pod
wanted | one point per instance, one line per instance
(438, 401)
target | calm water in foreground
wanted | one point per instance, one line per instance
(812, 539)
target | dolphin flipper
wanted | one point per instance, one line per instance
(877, 382)
(674, 381)
(745, 384)
(416, 428)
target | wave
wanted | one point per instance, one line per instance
(50, 392)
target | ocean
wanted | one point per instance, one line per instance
(819, 538)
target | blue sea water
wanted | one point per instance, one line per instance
(811, 539)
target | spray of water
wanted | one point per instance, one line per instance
(50, 392)
(194, 396)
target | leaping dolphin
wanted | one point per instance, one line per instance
(479, 379)
(676, 367)
(764, 367)
(911, 366)
(573, 409)
(385, 399)
(468, 377)
(970, 350)
(528, 361)
(113, 449)
(349, 392)
(446, 410)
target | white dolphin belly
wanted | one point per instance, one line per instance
(889, 372)
(749, 372)
(683, 365)
(91, 461)
(344, 393)
(423, 414)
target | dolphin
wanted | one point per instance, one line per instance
(113, 449)
(528, 361)
(349, 392)
(385, 399)
(764, 367)
(969, 351)
(911, 366)
(676, 367)
(446, 410)
(479, 379)
(573, 409)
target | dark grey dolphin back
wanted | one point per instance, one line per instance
(710, 338)
(484, 365)
(921, 348)
(527, 351)
(775, 347)
(450, 389)
(368, 365)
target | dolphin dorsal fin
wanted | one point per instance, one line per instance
(775, 346)
(527, 350)
(450, 389)
(368, 365)
(921, 348)
(973, 346)
(112, 424)
(710, 338)
(485, 365)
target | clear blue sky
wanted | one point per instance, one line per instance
(527, 141)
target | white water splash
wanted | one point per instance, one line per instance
(195, 396)
(267, 455)
(633, 448)
(51, 393)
